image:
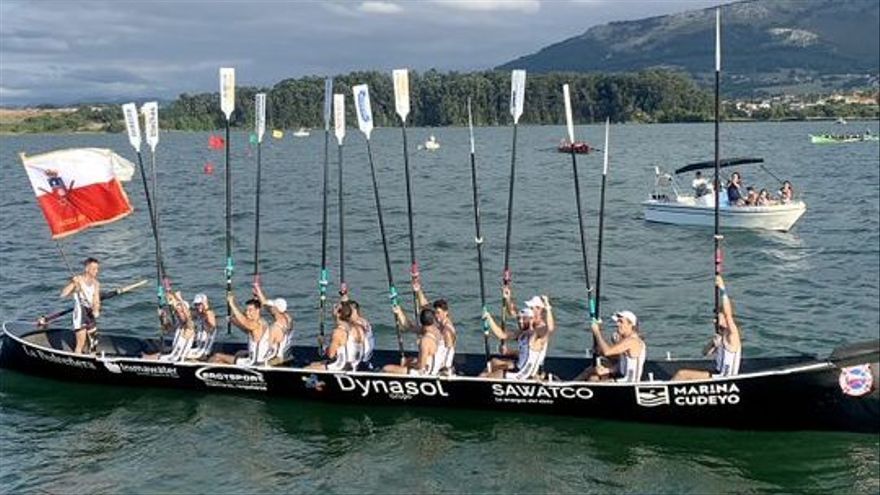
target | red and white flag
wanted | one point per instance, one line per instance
(78, 188)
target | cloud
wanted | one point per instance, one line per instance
(373, 7)
(525, 6)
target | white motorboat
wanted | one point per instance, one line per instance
(668, 204)
(301, 132)
(432, 143)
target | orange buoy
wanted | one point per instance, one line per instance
(209, 168)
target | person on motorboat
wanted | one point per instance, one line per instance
(181, 321)
(346, 342)
(764, 198)
(446, 354)
(251, 322)
(205, 323)
(532, 336)
(701, 185)
(786, 193)
(357, 318)
(86, 291)
(627, 351)
(280, 330)
(429, 362)
(751, 197)
(734, 191)
(725, 346)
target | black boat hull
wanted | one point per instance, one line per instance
(791, 393)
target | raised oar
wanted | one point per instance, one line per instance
(478, 240)
(517, 97)
(105, 294)
(361, 94)
(324, 276)
(151, 135)
(259, 129)
(401, 106)
(717, 236)
(577, 196)
(132, 124)
(339, 130)
(601, 224)
(227, 105)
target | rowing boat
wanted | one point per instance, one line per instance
(579, 147)
(837, 392)
(845, 138)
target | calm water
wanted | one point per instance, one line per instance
(803, 291)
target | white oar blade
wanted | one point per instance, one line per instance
(227, 91)
(605, 149)
(151, 124)
(718, 39)
(517, 94)
(362, 108)
(569, 123)
(339, 117)
(260, 116)
(132, 125)
(401, 92)
(328, 102)
(471, 125)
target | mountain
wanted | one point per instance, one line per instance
(766, 45)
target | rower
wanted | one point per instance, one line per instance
(357, 318)
(536, 325)
(205, 323)
(725, 346)
(346, 343)
(430, 341)
(280, 340)
(184, 330)
(446, 352)
(254, 326)
(629, 350)
(86, 291)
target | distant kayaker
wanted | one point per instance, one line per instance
(725, 346)
(86, 291)
(628, 351)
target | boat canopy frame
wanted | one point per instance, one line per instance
(726, 162)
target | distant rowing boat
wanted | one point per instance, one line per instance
(842, 138)
(579, 147)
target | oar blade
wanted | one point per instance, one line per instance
(401, 92)
(363, 109)
(151, 124)
(718, 39)
(328, 102)
(605, 150)
(227, 91)
(471, 125)
(517, 94)
(339, 117)
(260, 116)
(132, 125)
(569, 122)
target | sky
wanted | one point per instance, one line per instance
(72, 51)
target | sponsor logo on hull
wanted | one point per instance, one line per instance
(705, 394)
(62, 359)
(856, 380)
(142, 369)
(393, 389)
(532, 393)
(237, 378)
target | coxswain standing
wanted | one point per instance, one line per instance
(251, 322)
(86, 291)
(280, 330)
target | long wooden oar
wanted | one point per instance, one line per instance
(339, 129)
(595, 309)
(227, 106)
(478, 240)
(151, 136)
(717, 237)
(365, 123)
(259, 129)
(517, 97)
(577, 196)
(323, 281)
(106, 294)
(401, 106)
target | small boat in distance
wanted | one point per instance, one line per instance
(840, 120)
(828, 138)
(668, 204)
(432, 143)
(301, 132)
(579, 147)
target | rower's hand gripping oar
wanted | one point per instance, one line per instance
(339, 130)
(478, 239)
(227, 106)
(401, 107)
(517, 100)
(324, 279)
(361, 94)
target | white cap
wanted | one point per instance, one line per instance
(535, 302)
(279, 304)
(526, 313)
(200, 299)
(627, 315)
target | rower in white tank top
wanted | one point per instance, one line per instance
(348, 355)
(435, 362)
(629, 367)
(258, 349)
(82, 305)
(726, 360)
(529, 360)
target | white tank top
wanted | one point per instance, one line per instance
(369, 341)
(88, 292)
(349, 355)
(257, 349)
(180, 346)
(726, 361)
(449, 352)
(436, 362)
(529, 360)
(278, 349)
(629, 368)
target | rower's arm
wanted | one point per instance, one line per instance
(96, 300)
(237, 315)
(421, 298)
(423, 355)
(70, 287)
(620, 347)
(402, 321)
(499, 333)
(261, 296)
(727, 312)
(601, 345)
(551, 321)
(210, 319)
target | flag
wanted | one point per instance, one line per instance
(216, 142)
(77, 188)
(277, 134)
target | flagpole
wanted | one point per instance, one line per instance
(227, 105)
